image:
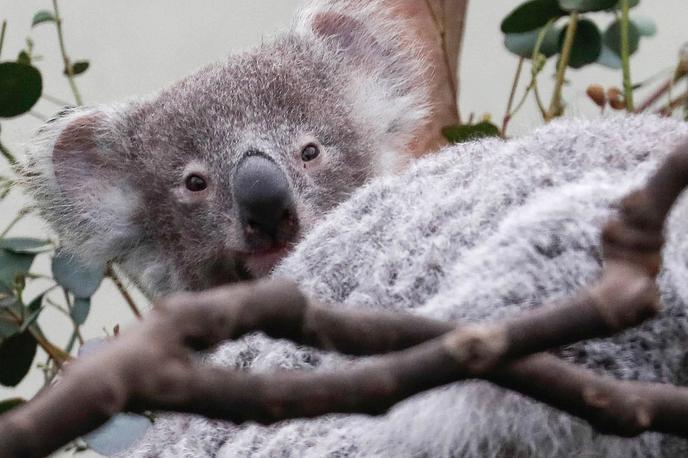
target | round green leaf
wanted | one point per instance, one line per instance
(612, 37)
(646, 26)
(584, 6)
(459, 134)
(13, 265)
(21, 86)
(16, 356)
(609, 59)
(41, 17)
(74, 275)
(522, 44)
(78, 67)
(8, 326)
(25, 245)
(587, 44)
(9, 404)
(531, 15)
(80, 309)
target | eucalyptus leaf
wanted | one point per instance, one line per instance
(8, 326)
(34, 308)
(612, 37)
(464, 133)
(21, 86)
(25, 245)
(585, 6)
(41, 17)
(80, 310)
(523, 44)
(645, 25)
(13, 265)
(78, 67)
(9, 404)
(16, 356)
(76, 276)
(587, 44)
(118, 434)
(609, 58)
(531, 15)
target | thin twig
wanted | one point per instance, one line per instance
(123, 291)
(55, 100)
(2, 34)
(9, 157)
(65, 59)
(512, 94)
(21, 214)
(669, 108)
(652, 98)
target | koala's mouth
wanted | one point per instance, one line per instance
(260, 262)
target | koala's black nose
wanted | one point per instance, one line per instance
(263, 198)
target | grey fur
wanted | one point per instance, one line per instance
(110, 179)
(478, 231)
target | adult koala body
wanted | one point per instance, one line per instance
(216, 177)
(512, 225)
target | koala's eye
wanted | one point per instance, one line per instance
(195, 183)
(309, 152)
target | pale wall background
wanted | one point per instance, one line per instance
(136, 47)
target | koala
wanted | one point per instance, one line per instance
(513, 225)
(215, 178)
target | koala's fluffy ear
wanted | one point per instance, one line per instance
(78, 177)
(382, 68)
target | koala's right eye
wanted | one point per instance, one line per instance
(195, 183)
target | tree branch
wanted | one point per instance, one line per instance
(152, 365)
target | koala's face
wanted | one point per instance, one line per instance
(217, 177)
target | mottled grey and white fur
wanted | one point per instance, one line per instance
(476, 232)
(110, 179)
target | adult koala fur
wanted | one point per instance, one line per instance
(215, 178)
(478, 231)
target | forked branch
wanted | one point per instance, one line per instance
(151, 367)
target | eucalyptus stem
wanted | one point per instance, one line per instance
(555, 105)
(22, 213)
(512, 94)
(625, 56)
(123, 291)
(67, 63)
(2, 34)
(9, 157)
(57, 354)
(535, 70)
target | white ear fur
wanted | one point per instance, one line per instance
(385, 77)
(87, 206)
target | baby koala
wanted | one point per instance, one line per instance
(213, 179)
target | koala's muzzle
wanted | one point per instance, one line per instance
(264, 202)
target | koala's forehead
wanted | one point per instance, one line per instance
(275, 90)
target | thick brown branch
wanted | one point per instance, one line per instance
(151, 366)
(437, 27)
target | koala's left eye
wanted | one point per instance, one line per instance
(309, 152)
(195, 183)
